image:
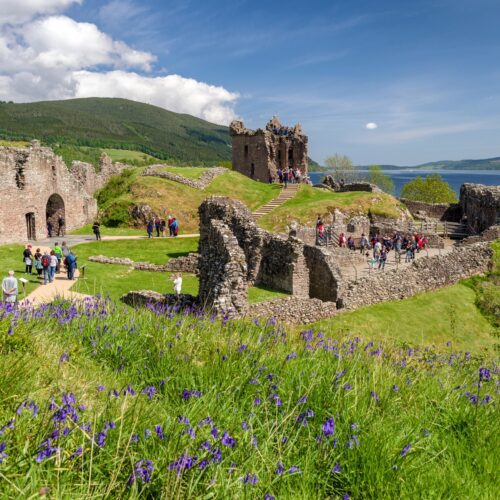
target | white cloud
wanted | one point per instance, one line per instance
(55, 57)
(371, 126)
(19, 11)
(173, 92)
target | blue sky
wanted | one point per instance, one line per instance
(427, 73)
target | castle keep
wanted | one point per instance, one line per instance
(259, 154)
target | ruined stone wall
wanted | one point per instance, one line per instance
(424, 274)
(259, 154)
(202, 183)
(30, 177)
(222, 270)
(442, 211)
(481, 205)
(283, 266)
(324, 274)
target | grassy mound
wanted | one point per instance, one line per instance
(309, 202)
(102, 401)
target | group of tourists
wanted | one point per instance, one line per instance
(61, 226)
(48, 263)
(282, 130)
(160, 225)
(288, 176)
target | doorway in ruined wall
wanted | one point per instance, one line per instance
(30, 226)
(55, 210)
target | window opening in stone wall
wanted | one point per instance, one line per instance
(246, 150)
(55, 212)
(290, 156)
(20, 178)
(30, 226)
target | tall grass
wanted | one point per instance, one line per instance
(227, 409)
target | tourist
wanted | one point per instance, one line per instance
(46, 267)
(169, 224)
(149, 228)
(382, 259)
(285, 178)
(54, 262)
(320, 231)
(96, 228)
(49, 229)
(377, 249)
(65, 249)
(70, 262)
(10, 288)
(280, 175)
(372, 262)
(38, 263)
(28, 259)
(174, 227)
(350, 243)
(61, 223)
(409, 253)
(363, 243)
(163, 226)
(177, 284)
(157, 226)
(59, 254)
(342, 240)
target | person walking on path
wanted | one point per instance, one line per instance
(10, 288)
(71, 265)
(61, 223)
(49, 229)
(382, 259)
(28, 259)
(177, 284)
(157, 226)
(96, 228)
(175, 227)
(38, 263)
(65, 249)
(54, 262)
(59, 254)
(149, 229)
(46, 267)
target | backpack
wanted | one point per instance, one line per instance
(45, 261)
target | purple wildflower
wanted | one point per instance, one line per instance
(214, 432)
(329, 427)
(76, 453)
(280, 469)
(150, 391)
(183, 420)
(302, 400)
(484, 374)
(346, 387)
(395, 388)
(254, 441)
(159, 431)
(336, 469)
(142, 471)
(191, 432)
(256, 401)
(227, 440)
(374, 395)
(184, 462)
(64, 357)
(405, 450)
(268, 496)
(3, 455)
(293, 470)
(251, 479)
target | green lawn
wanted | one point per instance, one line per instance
(447, 314)
(262, 294)
(127, 155)
(309, 202)
(110, 231)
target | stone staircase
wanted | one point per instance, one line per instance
(286, 194)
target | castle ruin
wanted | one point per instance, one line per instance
(259, 154)
(37, 188)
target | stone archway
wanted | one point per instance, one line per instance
(54, 211)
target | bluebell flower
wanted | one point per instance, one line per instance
(395, 388)
(280, 469)
(294, 470)
(302, 400)
(159, 431)
(336, 469)
(3, 455)
(184, 462)
(227, 440)
(484, 374)
(329, 427)
(251, 479)
(405, 450)
(143, 469)
(256, 401)
(76, 453)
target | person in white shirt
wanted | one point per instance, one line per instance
(177, 284)
(53, 265)
(10, 288)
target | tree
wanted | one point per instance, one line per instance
(384, 182)
(342, 168)
(431, 189)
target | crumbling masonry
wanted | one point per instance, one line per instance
(259, 154)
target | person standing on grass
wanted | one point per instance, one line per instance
(149, 229)
(46, 267)
(59, 254)
(96, 228)
(177, 284)
(54, 262)
(38, 263)
(49, 229)
(10, 288)
(28, 259)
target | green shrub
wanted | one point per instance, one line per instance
(117, 214)
(116, 187)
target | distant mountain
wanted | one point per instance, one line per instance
(485, 164)
(119, 124)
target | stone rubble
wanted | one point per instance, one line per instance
(202, 183)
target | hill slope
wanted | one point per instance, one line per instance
(481, 164)
(117, 123)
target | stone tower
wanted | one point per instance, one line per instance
(258, 154)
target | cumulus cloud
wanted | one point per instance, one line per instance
(45, 56)
(371, 126)
(173, 92)
(19, 11)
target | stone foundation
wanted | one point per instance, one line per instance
(201, 183)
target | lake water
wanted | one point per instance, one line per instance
(455, 178)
